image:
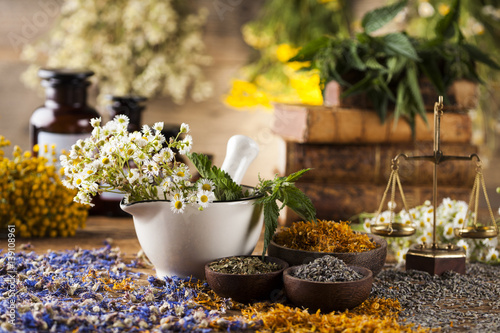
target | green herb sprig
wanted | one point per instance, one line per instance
(225, 188)
(282, 189)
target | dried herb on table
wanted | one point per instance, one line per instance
(324, 236)
(243, 265)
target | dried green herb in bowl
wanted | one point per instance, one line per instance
(243, 265)
(246, 278)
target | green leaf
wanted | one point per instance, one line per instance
(480, 56)
(225, 188)
(284, 190)
(399, 43)
(271, 214)
(296, 175)
(379, 17)
(445, 28)
(372, 63)
(412, 81)
(353, 58)
(308, 51)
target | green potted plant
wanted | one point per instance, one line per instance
(181, 224)
(388, 68)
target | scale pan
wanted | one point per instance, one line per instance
(392, 230)
(476, 232)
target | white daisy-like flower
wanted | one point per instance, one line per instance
(384, 217)
(490, 242)
(424, 239)
(367, 224)
(166, 184)
(459, 220)
(184, 128)
(146, 130)
(95, 122)
(186, 145)
(122, 119)
(205, 198)
(164, 156)
(492, 255)
(401, 256)
(151, 167)
(205, 185)
(158, 126)
(177, 206)
(180, 173)
(465, 245)
(133, 175)
(448, 231)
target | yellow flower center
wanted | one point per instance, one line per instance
(206, 187)
(203, 198)
(178, 204)
(105, 160)
(180, 174)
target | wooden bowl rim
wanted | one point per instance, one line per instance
(381, 241)
(367, 274)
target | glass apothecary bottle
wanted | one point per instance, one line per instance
(131, 106)
(65, 116)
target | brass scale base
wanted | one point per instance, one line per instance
(435, 258)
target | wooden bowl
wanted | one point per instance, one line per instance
(374, 259)
(245, 288)
(327, 296)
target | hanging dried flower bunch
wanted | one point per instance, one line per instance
(141, 47)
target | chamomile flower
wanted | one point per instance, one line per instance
(158, 126)
(205, 185)
(465, 245)
(180, 173)
(205, 198)
(184, 128)
(448, 232)
(152, 168)
(424, 239)
(492, 256)
(165, 155)
(95, 122)
(177, 205)
(133, 175)
(186, 145)
(459, 220)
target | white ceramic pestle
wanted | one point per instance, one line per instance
(240, 152)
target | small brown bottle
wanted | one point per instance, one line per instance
(65, 116)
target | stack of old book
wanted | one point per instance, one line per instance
(350, 153)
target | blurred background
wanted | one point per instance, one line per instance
(232, 50)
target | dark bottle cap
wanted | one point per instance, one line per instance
(127, 98)
(64, 74)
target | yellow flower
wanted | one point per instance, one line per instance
(443, 9)
(307, 87)
(285, 51)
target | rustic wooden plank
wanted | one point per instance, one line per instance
(371, 163)
(322, 124)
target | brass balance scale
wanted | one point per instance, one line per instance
(436, 258)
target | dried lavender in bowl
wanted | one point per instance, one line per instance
(326, 269)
